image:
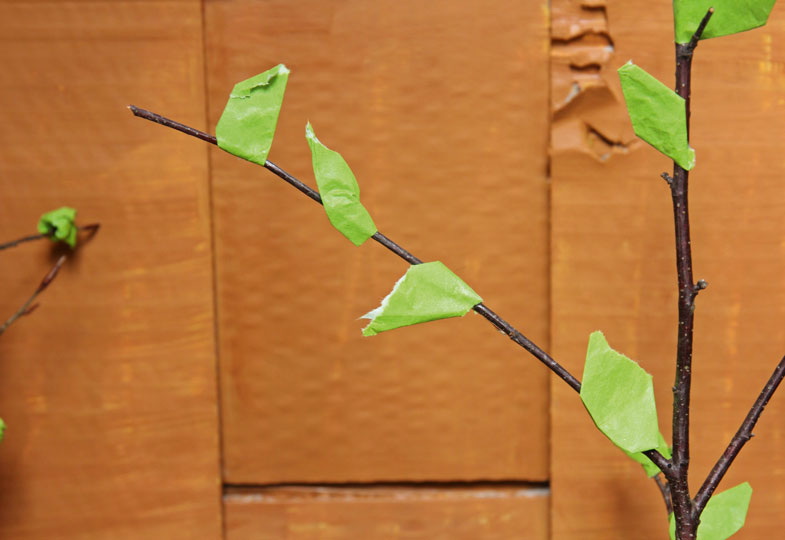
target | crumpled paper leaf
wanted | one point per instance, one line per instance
(619, 396)
(724, 515)
(339, 191)
(247, 125)
(730, 17)
(59, 225)
(658, 114)
(2, 429)
(427, 292)
(648, 465)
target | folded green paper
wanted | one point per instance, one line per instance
(59, 225)
(427, 292)
(658, 114)
(730, 17)
(724, 515)
(619, 396)
(339, 191)
(2, 429)
(247, 125)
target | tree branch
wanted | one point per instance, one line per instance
(481, 309)
(665, 489)
(91, 228)
(743, 435)
(686, 523)
(27, 307)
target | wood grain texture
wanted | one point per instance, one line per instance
(441, 111)
(489, 513)
(614, 260)
(109, 388)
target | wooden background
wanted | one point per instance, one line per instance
(197, 370)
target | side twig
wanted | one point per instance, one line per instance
(743, 435)
(91, 228)
(665, 489)
(28, 306)
(481, 309)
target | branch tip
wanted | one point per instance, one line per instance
(701, 28)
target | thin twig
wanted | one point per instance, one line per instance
(27, 307)
(91, 228)
(743, 435)
(481, 309)
(701, 27)
(665, 489)
(686, 523)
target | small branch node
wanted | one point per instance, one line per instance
(702, 284)
(665, 176)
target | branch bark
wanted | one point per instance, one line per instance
(28, 306)
(686, 520)
(91, 228)
(481, 309)
(743, 435)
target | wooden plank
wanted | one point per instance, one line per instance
(441, 111)
(614, 263)
(489, 513)
(109, 388)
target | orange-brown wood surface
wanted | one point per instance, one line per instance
(614, 261)
(488, 513)
(112, 388)
(108, 389)
(441, 111)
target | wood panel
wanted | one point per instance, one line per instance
(490, 513)
(441, 111)
(614, 263)
(108, 388)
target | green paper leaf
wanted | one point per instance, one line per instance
(2, 429)
(619, 396)
(247, 125)
(724, 515)
(730, 17)
(648, 465)
(658, 114)
(427, 292)
(59, 225)
(339, 191)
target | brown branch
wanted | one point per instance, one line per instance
(686, 522)
(665, 489)
(28, 306)
(481, 309)
(743, 435)
(91, 229)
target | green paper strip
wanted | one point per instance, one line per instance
(730, 17)
(619, 396)
(59, 225)
(247, 125)
(648, 465)
(427, 292)
(339, 191)
(724, 515)
(658, 114)
(2, 429)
